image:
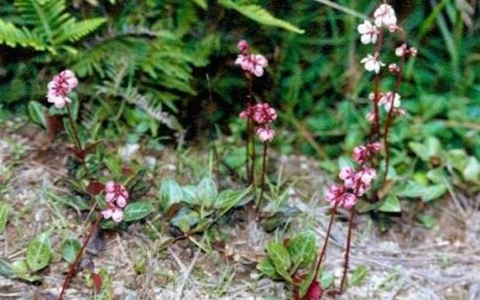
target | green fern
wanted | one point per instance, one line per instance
(52, 26)
(260, 15)
(13, 36)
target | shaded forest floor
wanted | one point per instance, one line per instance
(406, 262)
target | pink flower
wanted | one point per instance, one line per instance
(361, 154)
(61, 85)
(385, 16)
(370, 117)
(348, 176)
(116, 194)
(265, 134)
(366, 176)
(253, 63)
(413, 52)
(372, 64)
(243, 47)
(113, 212)
(338, 196)
(369, 32)
(389, 99)
(264, 114)
(393, 68)
(400, 51)
(399, 112)
(247, 113)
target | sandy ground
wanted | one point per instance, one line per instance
(406, 262)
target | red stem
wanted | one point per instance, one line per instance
(347, 254)
(77, 140)
(264, 169)
(73, 266)
(325, 243)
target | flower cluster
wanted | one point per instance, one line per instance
(250, 63)
(59, 88)
(262, 114)
(384, 17)
(116, 196)
(355, 183)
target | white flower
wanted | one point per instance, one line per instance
(400, 51)
(388, 99)
(385, 16)
(369, 32)
(372, 64)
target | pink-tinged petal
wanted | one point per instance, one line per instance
(117, 215)
(121, 201)
(110, 187)
(107, 214)
(109, 197)
(349, 200)
(243, 46)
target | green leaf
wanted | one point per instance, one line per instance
(170, 192)
(39, 252)
(359, 274)
(259, 15)
(137, 210)
(201, 3)
(458, 158)
(326, 280)
(302, 249)
(426, 193)
(185, 219)
(207, 192)
(3, 216)
(437, 175)
(267, 267)
(6, 269)
(305, 284)
(472, 170)
(281, 259)
(37, 113)
(70, 249)
(20, 270)
(426, 220)
(391, 205)
(431, 148)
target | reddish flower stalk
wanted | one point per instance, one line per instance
(74, 265)
(264, 169)
(252, 65)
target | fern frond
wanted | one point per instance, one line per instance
(74, 31)
(13, 36)
(260, 15)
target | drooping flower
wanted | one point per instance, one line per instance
(400, 51)
(385, 16)
(366, 176)
(243, 47)
(369, 32)
(114, 212)
(348, 176)
(116, 194)
(247, 113)
(372, 64)
(389, 99)
(403, 50)
(338, 196)
(263, 113)
(393, 68)
(370, 116)
(252, 63)
(59, 88)
(361, 154)
(265, 133)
